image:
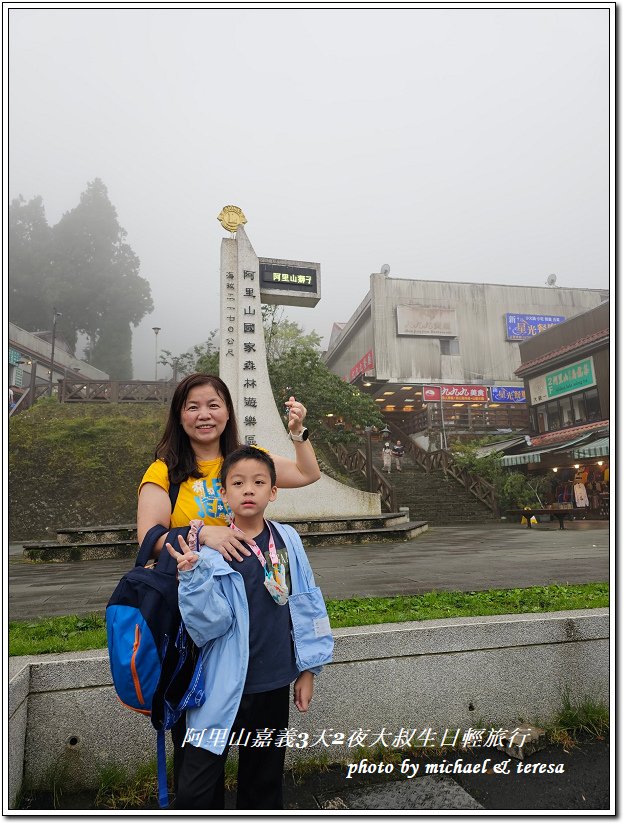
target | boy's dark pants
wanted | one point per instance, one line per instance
(200, 773)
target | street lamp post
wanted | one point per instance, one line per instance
(156, 330)
(55, 315)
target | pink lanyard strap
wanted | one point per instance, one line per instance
(256, 549)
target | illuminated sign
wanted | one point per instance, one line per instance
(507, 394)
(456, 392)
(291, 282)
(521, 327)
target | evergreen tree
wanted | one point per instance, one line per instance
(83, 267)
(29, 238)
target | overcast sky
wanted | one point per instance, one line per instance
(452, 144)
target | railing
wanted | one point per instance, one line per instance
(76, 391)
(27, 398)
(463, 419)
(356, 462)
(444, 460)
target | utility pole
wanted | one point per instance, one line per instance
(156, 330)
(55, 315)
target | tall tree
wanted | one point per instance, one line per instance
(29, 239)
(84, 268)
(97, 282)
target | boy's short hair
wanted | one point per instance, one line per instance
(245, 453)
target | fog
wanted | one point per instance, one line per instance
(452, 144)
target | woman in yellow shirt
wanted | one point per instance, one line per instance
(201, 430)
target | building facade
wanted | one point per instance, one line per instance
(30, 362)
(442, 356)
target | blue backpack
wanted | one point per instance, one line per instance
(155, 665)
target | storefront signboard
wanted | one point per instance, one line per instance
(521, 327)
(429, 321)
(579, 375)
(365, 363)
(456, 393)
(507, 394)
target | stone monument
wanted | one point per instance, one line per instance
(243, 367)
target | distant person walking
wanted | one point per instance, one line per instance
(11, 399)
(386, 454)
(398, 451)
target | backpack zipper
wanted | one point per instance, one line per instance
(135, 675)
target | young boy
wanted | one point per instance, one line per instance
(242, 613)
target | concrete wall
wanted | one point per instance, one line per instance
(485, 356)
(452, 673)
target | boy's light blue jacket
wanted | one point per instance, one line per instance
(213, 605)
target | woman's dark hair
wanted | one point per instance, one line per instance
(246, 453)
(174, 448)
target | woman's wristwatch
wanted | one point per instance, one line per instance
(302, 436)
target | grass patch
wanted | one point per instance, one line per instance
(74, 633)
(67, 633)
(576, 720)
(359, 611)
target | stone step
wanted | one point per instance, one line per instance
(391, 527)
(112, 533)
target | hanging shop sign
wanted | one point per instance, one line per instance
(289, 282)
(507, 394)
(365, 363)
(456, 392)
(579, 375)
(14, 356)
(521, 327)
(430, 321)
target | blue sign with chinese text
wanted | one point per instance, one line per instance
(507, 394)
(521, 327)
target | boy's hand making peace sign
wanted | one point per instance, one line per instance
(186, 559)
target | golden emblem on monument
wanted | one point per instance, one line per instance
(231, 217)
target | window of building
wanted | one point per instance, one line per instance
(578, 403)
(449, 346)
(570, 410)
(567, 413)
(592, 405)
(554, 417)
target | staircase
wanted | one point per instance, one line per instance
(436, 497)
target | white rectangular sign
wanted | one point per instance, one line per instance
(431, 321)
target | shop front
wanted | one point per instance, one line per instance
(576, 475)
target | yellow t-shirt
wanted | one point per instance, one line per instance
(197, 498)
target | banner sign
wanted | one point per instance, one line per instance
(579, 375)
(507, 394)
(426, 320)
(363, 365)
(456, 392)
(521, 327)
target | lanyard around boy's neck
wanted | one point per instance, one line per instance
(274, 577)
(256, 549)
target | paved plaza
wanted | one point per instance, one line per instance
(461, 558)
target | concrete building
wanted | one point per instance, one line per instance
(442, 357)
(567, 383)
(30, 360)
